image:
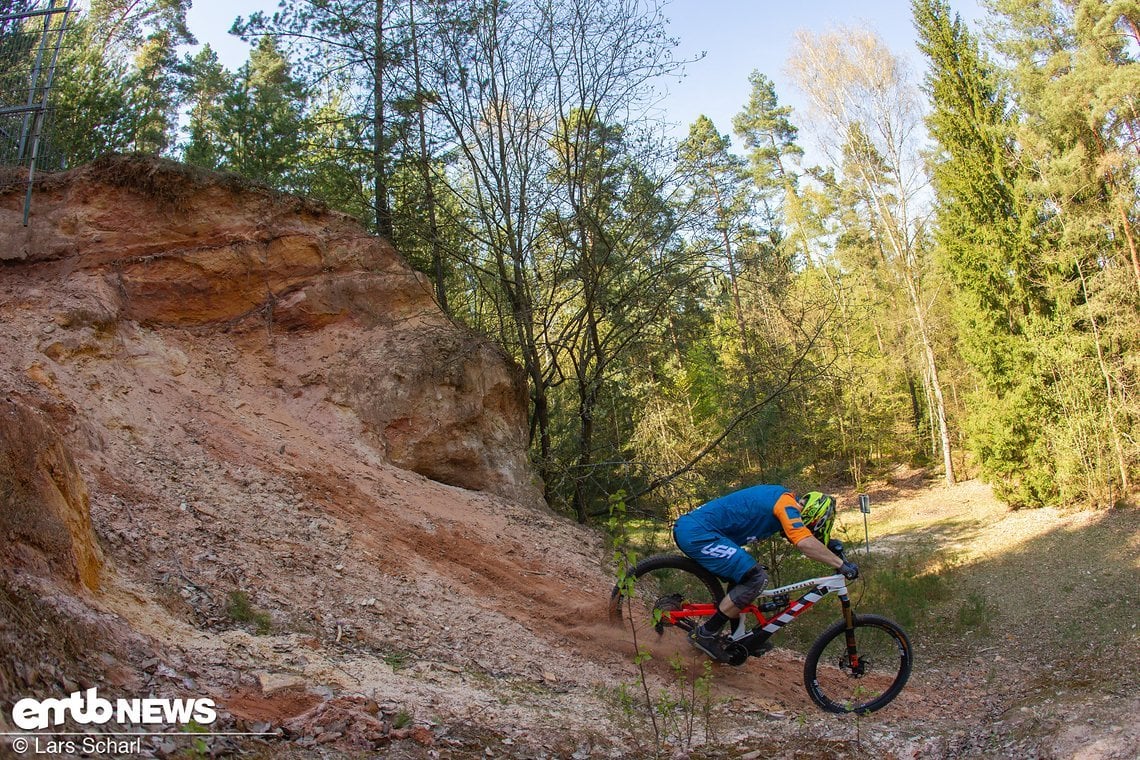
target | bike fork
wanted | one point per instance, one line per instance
(853, 661)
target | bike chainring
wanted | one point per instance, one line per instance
(735, 653)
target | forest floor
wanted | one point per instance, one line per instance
(1030, 639)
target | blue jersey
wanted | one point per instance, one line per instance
(714, 534)
(753, 514)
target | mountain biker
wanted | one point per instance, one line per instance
(714, 533)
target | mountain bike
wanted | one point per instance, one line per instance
(857, 665)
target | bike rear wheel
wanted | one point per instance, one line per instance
(663, 582)
(884, 664)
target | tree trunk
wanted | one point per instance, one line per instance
(1127, 225)
(588, 396)
(425, 171)
(903, 250)
(1110, 395)
(379, 126)
(935, 385)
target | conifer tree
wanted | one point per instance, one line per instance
(984, 235)
(208, 82)
(718, 185)
(265, 125)
(1074, 69)
(338, 42)
(118, 83)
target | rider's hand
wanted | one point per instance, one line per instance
(849, 570)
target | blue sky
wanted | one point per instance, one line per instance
(737, 37)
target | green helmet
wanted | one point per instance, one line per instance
(818, 512)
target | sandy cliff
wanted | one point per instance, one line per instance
(243, 455)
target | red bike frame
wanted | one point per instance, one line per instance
(767, 627)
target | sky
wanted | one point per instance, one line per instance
(735, 37)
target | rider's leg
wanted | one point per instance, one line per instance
(724, 558)
(713, 551)
(751, 583)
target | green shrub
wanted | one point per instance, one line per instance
(240, 610)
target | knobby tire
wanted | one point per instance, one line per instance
(885, 650)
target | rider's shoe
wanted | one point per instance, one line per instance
(709, 643)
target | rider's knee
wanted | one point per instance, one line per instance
(749, 587)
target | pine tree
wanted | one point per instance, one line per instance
(266, 128)
(769, 136)
(1075, 67)
(208, 82)
(119, 80)
(718, 184)
(338, 42)
(984, 236)
(89, 99)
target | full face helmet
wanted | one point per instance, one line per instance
(818, 512)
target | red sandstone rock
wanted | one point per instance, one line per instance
(162, 245)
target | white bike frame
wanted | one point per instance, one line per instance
(820, 587)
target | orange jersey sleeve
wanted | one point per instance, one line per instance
(787, 511)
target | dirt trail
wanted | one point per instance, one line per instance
(1038, 651)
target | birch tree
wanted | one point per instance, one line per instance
(867, 119)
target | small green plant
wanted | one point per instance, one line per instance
(693, 704)
(241, 610)
(396, 660)
(624, 561)
(198, 749)
(684, 706)
(858, 694)
(402, 719)
(974, 614)
(629, 711)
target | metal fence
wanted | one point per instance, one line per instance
(31, 34)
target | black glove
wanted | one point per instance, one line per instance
(849, 570)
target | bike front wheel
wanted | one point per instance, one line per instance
(864, 681)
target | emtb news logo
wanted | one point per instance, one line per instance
(89, 708)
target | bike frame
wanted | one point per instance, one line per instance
(769, 626)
